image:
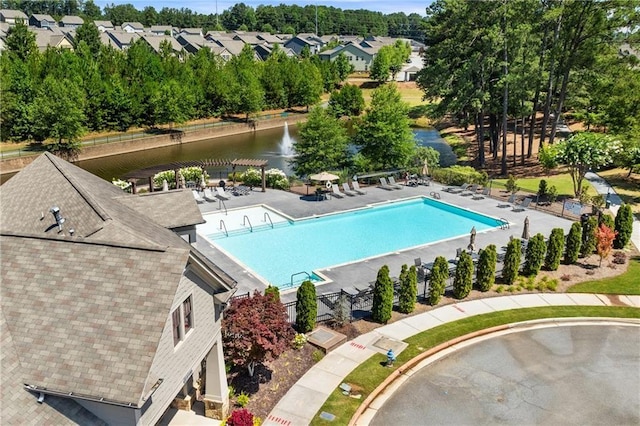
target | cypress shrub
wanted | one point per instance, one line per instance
(272, 291)
(607, 220)
(542, 188)
(624, 226)
(589, 240)
(534, 256)
(574, 242)
(438, 280)
(408, 289)
(382, 297)
(306, 307)
(486, 271)
(463, 280)
(555, 247)
(512, 259)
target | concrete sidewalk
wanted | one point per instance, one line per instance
(306, 397)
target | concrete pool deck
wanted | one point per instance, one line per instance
(362, 272)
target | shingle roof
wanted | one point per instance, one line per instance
(13, 14)
(85, 312)
(72, 19)
(171, 209)
(43, 17)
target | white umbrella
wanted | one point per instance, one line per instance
(165, 185)
(425, 168)
(324, 176)
(203, 180)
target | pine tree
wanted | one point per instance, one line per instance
(512, 260)
(463, 280)
(623, 226)
(534, 256)
(408, 289)
(438, 280)
(555, 247)
(382, 297)
(486, 270)
(306, 307)
(574, 242)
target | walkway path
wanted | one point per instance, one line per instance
(602, 187)
(306, 397)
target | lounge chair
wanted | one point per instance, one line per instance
(356, 188)
(221, 194)
(241, 190)
(484, 193)
(456, 189)
(335, 191)
(197, 196)
(208, 195)
(522, 206)
(471, 190)
(393, 183)
(385, 185)
(510, 202)
(346, 190)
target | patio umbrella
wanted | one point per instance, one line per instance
(472, 239)
(323, 177)
(203, 181)
(425, 168)
(525, 231)
(165, 185)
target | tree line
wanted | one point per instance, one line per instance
(59, 94)
(521, 64)
(287, 19)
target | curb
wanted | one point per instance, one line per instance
(537, 323)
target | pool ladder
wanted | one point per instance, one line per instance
(266, 216)
(223, 226)
(300, 273)
(504, 223)
(245, 219)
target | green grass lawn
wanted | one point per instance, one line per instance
(562, 182)
(366, 377)
(458, 145)
(627, 283)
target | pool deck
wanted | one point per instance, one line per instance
(363, 272)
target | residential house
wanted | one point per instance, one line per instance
(121, 39)
(409, 71)
(161, 30)
(360, 57)
(156, 40)
(269, 38)
(249, 39)
(107, 315)
(132, 27)
(47, 38)
(298, 43)
(104, 26)
(233, 46)
(11, 16)
(71, 21)
(192, 32)
(191, 43)
(41, 21)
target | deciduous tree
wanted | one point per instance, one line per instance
(604, 237)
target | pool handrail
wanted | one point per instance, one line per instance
(504, 223)
(299, 273)
(245, 219)
(222, 225)
(266, 216)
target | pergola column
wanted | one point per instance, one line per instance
(264, 181)
(150, 183)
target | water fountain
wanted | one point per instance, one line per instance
(286, 144)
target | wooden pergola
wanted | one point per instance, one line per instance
(150, 172)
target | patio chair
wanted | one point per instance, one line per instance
(484, 193)
(456, 189)
(510, 202)
(471, 190)
(208, 195)
(393, 183)
(346, 190)
(384, 185)
(197, 196)
(335, 191)
(222, 194)
(356, 187)
(523, 206)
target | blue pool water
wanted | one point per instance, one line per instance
(318, 243)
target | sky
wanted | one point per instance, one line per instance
(209, 6)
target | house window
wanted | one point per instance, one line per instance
(182, 320)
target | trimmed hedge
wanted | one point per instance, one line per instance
(486, 270)
(306, 307)
(574, 242)
(438, 280)
(555, 248)
(463, 279)
(536, 249)
(512, 259)
(457, 175)
(589, 240)
(382, 297)
(624, 226)
(408, 289)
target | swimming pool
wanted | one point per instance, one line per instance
(291, 247)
